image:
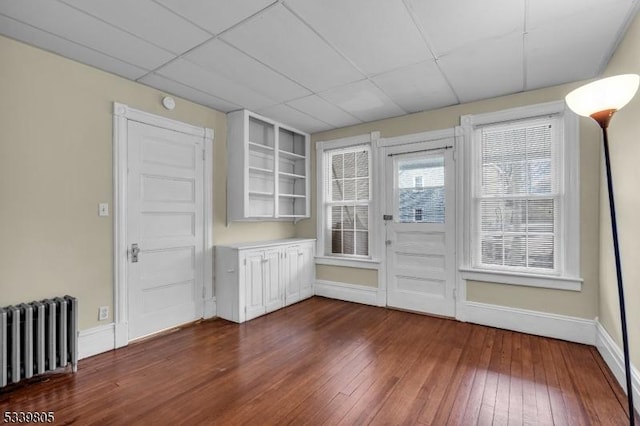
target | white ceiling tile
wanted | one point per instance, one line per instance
(147, 20)
(71, 24)
(68, 49)
(215, 15)
(417, 87)
(492, 69)
(317, 107)
(294, 118)
(545, 12)
(450, 25)
(363, 100)
(277, 38)
(377, 37)
(555, 43)
(221, 58)
(214, 84)
(186, 92)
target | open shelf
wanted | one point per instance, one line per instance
(291, 196)
(291, 175)
(291, 154)
(260, 146)
(260, 170)
(268, 169)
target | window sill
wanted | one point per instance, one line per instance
(350, 263)
(529, 280)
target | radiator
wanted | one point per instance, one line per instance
(38, 337)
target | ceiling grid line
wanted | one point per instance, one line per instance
(114, 26)
(323, 65)
(339, 52)
(525, 49)
(214, 36)
(432, 51)
(181, 16)
(72, 42)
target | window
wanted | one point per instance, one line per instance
(424, 203)
(522, 194)
(517, 196)
(417, 181)
(347, 201)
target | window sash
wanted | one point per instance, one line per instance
(481, 193)
(354, 236)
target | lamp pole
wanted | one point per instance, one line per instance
(600, 100)
(616, 252)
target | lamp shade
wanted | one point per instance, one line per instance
(610, 93)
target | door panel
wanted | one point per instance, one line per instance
(306, 270)
(420, 239)
(254, 285)
(292, 278)
(165, 219)
(272, 283)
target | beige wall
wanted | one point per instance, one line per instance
(581, 304)
(624, 142)
(56, 166)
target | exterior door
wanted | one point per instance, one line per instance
(420, 240)
(164, 228)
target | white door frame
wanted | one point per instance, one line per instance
(122, 114)
(386, 145)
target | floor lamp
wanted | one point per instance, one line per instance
(600, 100)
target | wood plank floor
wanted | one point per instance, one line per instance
(323, 361)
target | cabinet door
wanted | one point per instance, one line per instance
(272, 282)
(291, 275)
(254, 301)
(306, 271)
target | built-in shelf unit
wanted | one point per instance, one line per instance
(268, 169)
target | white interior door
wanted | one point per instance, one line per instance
(165, 220)
(420, 240)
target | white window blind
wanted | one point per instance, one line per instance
(517, 198)
(347, 201)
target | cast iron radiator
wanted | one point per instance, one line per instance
(38, 337)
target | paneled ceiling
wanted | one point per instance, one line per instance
(323, 64)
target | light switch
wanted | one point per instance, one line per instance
(103, 209)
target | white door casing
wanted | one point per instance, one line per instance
(164, 202)
(420, 243)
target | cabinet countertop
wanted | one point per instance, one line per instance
(261, 244)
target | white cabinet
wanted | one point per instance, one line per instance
(253, 279)
(298, 272)
(268, 169)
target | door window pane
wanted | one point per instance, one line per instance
(424, 203)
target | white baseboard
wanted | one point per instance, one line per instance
(96, 340)
(347, 292)
(210, 309)
(612, 355)
(544, 324)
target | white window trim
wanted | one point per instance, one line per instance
(373, 260)
(568, 277)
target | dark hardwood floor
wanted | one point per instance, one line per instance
(326, 361)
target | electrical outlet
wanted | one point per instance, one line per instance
(103, 313)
